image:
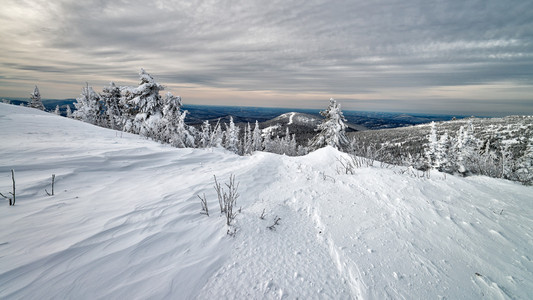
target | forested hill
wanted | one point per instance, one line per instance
(496, 147)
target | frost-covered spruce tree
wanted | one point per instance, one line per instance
(174, 129)
(215, 140)
(465, 149)
(111, 98)
(332, 131)
(69, 111)
(442, 152)
(144, 105)
(431, 151)
(231, 137)
(284, 145)
(182, 138)
(35, 99)
(247, 140)
(205, 134)
(456, 155)
(292, 145)
(524, 164)
(437, 150)
(257, 139)
(87, 106)
(57, 111)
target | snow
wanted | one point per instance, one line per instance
(125, 222)
(267, 131)
(290, 118)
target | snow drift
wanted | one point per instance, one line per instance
(125, 222)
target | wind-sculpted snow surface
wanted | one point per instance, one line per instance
(125, 222)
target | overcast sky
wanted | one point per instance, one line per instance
(444, 56)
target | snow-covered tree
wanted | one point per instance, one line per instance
(331, 132)
(182, 138)
(69, 111)
(111, 98)
(464, 148)
(57, 111)
(142, 103)
(281, 145)
(205, 134)
(247, 140)
(35, 99)
(435, 150)
(292, 149)
(87, 106)
(524, 170)
(174, 130)
(257, 139)
(231, 138)
(215, 140)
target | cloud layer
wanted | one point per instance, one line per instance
(289, 53)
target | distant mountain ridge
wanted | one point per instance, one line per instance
(241, 114)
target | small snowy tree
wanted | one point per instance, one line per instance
(442, 151)
(87, 106)
(69, 111)
(182, 137)
(171, 121)
(247, 140)
(231, 138)
(524, 164)
(205, 134)
(35, 99)
(431, 152)
(292, 149)
(215, 140)
(113, 112)
(173, 128)
(257, 139)
(331, 132)
(57, 111)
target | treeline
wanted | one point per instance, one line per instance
(142, 110)
(501, 148)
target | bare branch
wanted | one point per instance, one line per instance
(203, 202)
(276, 222)
(13, 194)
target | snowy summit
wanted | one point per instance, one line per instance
(125, 222)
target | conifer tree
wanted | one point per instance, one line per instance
(331, 132)
(215, 140)
(257, 138)
(69, 111)
(111, 98)
(231, 138)
(87, 106)
(142, 103)
(174, 130)
(431, 148)
(35, 99)
(205, 134)
(57, 111)
(181, 137)
(247, 140)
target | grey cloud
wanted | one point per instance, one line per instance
(341, 47)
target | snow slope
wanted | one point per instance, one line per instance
(125, 222)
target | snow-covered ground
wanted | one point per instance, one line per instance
(125, 223)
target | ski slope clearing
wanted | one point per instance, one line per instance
(125, 223)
